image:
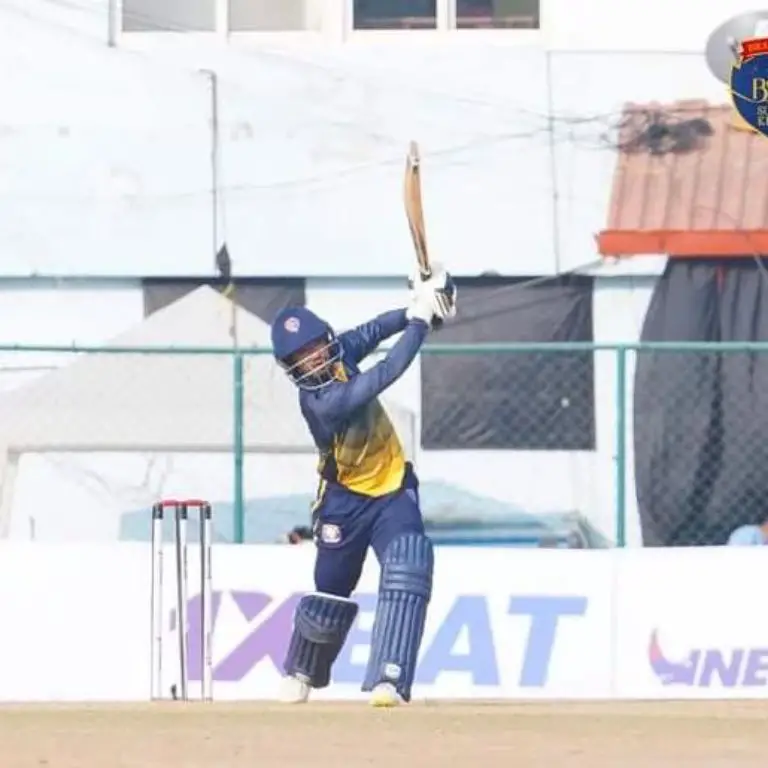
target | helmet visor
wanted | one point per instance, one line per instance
(316, 364)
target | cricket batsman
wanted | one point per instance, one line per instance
(367, 494)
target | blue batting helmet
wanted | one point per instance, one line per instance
(305, 346)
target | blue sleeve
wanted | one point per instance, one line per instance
(337, 401)
(361, 341)
(746, 536)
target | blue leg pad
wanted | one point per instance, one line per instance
(405, 589)
(320, 627)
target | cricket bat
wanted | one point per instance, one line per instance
(414, 211)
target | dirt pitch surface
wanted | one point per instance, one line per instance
(488, 735)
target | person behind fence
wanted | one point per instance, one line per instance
(750, 535)
(367, 494)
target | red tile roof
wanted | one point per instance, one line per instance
(704, 193)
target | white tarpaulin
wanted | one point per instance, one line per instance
(170, 402)
(129, 401)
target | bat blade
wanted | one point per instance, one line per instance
(415, 213)
(414, 210)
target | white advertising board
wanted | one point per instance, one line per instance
(690, 623)
(75, 622)
(503, 623)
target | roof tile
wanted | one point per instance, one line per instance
(690, 179)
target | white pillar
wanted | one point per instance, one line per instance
(446, 15)
(114, 22)
(337, 19)
(222, 19)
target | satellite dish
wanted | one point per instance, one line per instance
(724, 43)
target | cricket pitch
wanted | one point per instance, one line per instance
(487, 735)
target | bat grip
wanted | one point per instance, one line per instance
(436, 321)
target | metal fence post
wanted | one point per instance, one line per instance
(238, 509)
(621, 446)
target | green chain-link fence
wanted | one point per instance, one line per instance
(652, 443)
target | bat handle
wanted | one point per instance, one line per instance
(436, 321)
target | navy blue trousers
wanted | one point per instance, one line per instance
(346, 524)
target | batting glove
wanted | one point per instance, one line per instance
(422, 307)
(440, 287)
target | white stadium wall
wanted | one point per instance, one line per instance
(313, 131)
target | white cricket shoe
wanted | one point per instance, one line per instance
(385, 695)
(294, 691)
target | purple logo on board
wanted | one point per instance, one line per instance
(268, 640)
(703, 667)
(471, 617)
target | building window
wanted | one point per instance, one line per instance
(271, 16)
(395, 14)
(169, 15)
(497, 14)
